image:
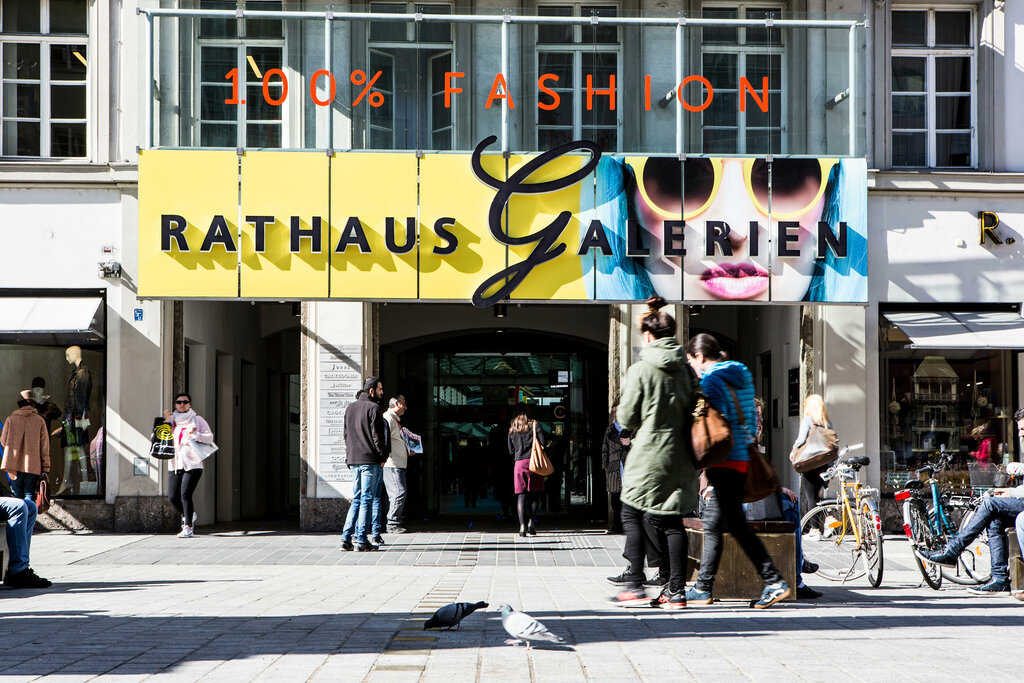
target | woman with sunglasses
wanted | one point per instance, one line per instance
(187, 464)
(728, 386)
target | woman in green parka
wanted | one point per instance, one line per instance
(659, 481)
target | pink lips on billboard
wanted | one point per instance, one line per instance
(735, 280)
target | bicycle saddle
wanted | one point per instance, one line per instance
(915, 484)
(859, 461)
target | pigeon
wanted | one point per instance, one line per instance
(451, 615)
(522, 626)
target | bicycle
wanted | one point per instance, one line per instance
(929, 527)
(843, 536)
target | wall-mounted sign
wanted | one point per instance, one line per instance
(570, 224)
(987, 230)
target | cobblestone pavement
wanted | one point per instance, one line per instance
(276, 605)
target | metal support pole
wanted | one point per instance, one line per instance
(149, 82)
(328, 54)
(504, 74)
(679, 87)
(852, 75)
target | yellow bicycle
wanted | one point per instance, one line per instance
(843, 536)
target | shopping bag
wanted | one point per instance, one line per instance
(820, 448)
(205, 450)
(539, 462)
(161, 443)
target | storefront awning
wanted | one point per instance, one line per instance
(52, 319)
(961, 330)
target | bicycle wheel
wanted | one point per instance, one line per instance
(826, 543)
(871, 546)
(974, 566)
(922, 538)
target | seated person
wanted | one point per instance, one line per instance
(994, 514)
(20, 518)
(785, 505)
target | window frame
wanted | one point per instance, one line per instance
(929, 52)
(387, 47)
(577, 48)
(296, 83)
(45, 39)
(743, 50)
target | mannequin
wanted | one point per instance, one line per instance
(76, 423)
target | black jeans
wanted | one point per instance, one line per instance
(724, 513)
(614, 511)
(670, 537)
(183, 485)
(811, 485)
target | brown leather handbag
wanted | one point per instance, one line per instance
(539, 462)
(711, 434)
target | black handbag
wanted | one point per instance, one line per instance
(161, 443)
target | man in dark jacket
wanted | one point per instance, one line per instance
(366, 448)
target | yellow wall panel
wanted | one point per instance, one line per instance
(201, 187)
(450, 189)
(371, 188)
(292, 187)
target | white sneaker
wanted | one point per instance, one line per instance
(186, 532)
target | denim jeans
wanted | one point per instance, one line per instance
(1020, 532)
(994, 514)
(25, 487)
(20, 515)
(394, 482)
(791, 511)
(365, 499)
(724, 513)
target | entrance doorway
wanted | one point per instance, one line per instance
(461, 392)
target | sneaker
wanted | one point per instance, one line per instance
(695, 596)
(397, 529)
(990, 588)
(943, 557)
(186, 532)
(658, 580)
(807, 593)
(377, 540)
(630, 597)
(625, 578)
(772, 594)
(26, 578)
(365, 547)
(669, 599)
(347, 545)
(808, 567)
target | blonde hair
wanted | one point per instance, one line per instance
(814, 408)
(521, 421)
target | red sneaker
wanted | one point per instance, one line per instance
(631, 597)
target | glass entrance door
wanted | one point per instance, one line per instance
(473, 396)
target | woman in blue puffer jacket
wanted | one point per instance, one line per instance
(728, 384)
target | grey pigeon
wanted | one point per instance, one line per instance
(451, 615)
(525, 628)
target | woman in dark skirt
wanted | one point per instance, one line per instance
(528, 486)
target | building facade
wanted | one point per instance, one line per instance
(263, 202)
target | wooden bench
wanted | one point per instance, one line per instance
(737, 579)
(1016, 564)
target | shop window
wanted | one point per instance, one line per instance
(44, 98)
(412, 59)
(221, 51)
(932, 88)
(936, 401)
(572, 53)
(729, 53)
(53, 348)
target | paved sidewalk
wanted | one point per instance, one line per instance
(266, 605)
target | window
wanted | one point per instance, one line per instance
(727, 55)
(572, 53)
(412, 59)
(933, 76)
(220, 52)
(44, 99)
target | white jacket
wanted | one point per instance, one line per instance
(399, 457)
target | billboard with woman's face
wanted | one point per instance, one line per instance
(749, 229)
